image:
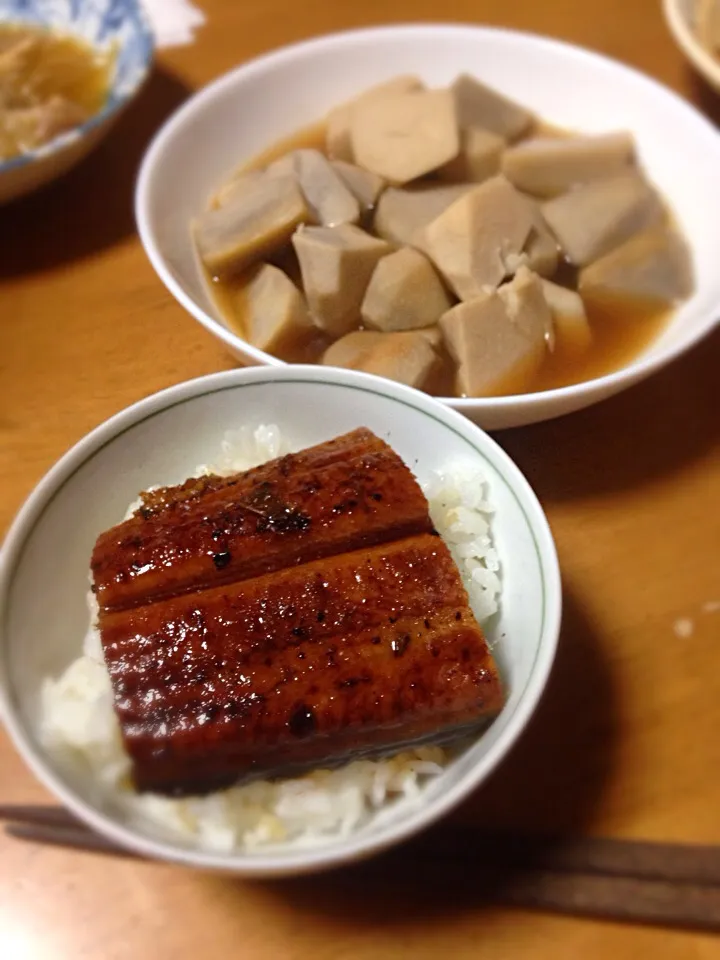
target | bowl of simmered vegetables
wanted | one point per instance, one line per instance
(507, 222)
(67, 70)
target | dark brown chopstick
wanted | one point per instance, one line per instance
(641, 860)
(625, 899)
(40, 814)
(672, 885)
(55, 826)
(76, 838)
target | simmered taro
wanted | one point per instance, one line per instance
(448, 239)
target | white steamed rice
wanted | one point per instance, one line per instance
(78, 723)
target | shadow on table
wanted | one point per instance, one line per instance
(703, 96)
(645, 433)
(553, 780)
(91, 207)
(551, 783)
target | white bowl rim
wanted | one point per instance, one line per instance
(590, 389)
(702, 60)
(112, 106)
(324, 856)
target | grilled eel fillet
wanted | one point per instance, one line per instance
(351, 492)
(347, 633)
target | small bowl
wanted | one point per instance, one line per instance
(44, 571)
(680, 18)
(103, 23)
(248, 109)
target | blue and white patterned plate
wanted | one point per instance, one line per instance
(103, 23)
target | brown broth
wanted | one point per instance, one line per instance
(620, 332)
(312, 138)
(619, 335)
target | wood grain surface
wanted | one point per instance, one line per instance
(626, 740)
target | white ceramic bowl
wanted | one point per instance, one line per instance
(680, 17)
(44, 568)
(244, 111)
(120, 24)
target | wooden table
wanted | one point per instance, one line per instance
(626, 739)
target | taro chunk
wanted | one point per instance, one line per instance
(652, 268)
(337, 132)
(284, 166)
(477, 240)
(480, 106)
(398, 356)
(250, 226)
(548, 166)
(336, 264)
(479, 157)
(593, 219)
(401, 214)
(404, 293)
(433, 335)
(527, 306)
(234, 189)
(540, 253)
(349, 350)
(570, 322)
(405, 136)
(329, 199)
(541, 246)
(276, 317)
(366, 187)
(406, 357)
(494, 355)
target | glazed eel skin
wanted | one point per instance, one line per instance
(338, 626)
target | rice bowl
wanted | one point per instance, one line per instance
(162, 439)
